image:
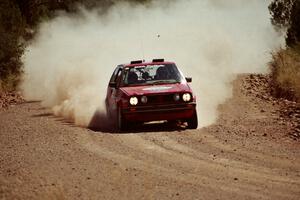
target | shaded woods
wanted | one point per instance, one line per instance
(18, 21)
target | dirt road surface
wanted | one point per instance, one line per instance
(247, 154)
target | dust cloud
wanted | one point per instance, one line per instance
(69, 63)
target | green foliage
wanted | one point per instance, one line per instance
(281, 12)
(286, 14)
(293, 35)
(11, 28)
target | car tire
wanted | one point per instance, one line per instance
(121, 122)
(192, 123)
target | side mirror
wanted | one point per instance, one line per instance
(188, 79)
(113, 84)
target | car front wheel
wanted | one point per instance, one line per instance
(192, 123)
(121, 122)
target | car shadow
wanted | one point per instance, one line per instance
(101, 123)
(154, 127)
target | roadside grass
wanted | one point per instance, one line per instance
(285, 73)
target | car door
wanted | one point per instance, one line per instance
(113, 90)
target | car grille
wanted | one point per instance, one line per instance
(160, 99)
(160, 108)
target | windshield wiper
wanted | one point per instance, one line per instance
(164, 81)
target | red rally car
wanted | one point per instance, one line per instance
(150, 91)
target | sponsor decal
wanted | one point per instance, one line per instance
(160, 88)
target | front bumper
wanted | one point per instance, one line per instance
(159, 112)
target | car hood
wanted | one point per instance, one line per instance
(156, 89)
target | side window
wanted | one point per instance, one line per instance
(114, 75)
(119, 76)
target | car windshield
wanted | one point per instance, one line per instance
(151, 75)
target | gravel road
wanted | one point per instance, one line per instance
(247, 154)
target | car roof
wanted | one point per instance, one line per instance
(147, 63)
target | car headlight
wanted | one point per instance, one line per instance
(144, 99)
(133, 101)
(176, 97)
(186, 97)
